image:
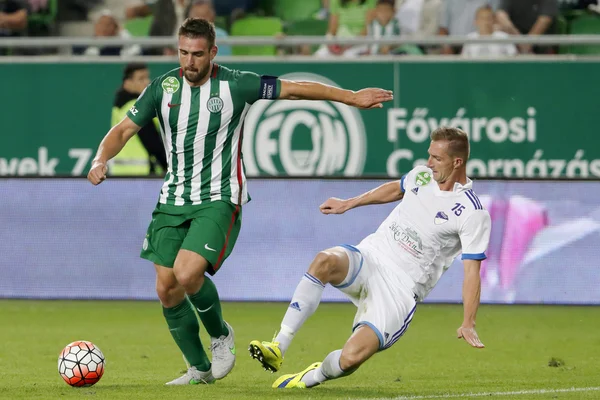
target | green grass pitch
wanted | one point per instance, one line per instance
(428, 362)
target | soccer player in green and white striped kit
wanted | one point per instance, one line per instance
(201, 108)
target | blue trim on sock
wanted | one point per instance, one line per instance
(352, 279)
(313, 279)
(370, 325)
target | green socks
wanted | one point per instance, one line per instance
(184, 327)
(208, 306)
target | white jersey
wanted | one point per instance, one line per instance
(489, 49)
(423, 235)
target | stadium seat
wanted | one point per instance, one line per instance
(221, 22)
(307, 27)
(295, 10)
(267, 7)
(585, 24)
(256, 26)
(41, 23)
(139, 26)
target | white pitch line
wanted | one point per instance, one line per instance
(487, 394)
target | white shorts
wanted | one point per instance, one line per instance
(384, 304)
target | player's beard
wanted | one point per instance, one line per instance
(194, 75)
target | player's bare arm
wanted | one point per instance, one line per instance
(471, 295)
(386, 193)
(111, 145)
(364, 98)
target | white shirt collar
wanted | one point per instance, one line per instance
(458, 188)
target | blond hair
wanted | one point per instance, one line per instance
(458, 141)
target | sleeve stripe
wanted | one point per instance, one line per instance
(474, 200)
(402, 183)
(478, 256)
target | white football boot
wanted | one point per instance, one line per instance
(223, 354)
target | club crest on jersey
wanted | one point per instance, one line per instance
(214, 104)
(423, 178)
(440, 218)
(170, 85)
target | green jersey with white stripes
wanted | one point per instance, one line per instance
(202, 131)
(377, 30)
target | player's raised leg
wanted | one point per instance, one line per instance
(183, 326)
(358, 349)
(329, 266)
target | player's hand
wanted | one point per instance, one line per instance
(334, 205)
(371, 98)
(470, 336)
(98, 173)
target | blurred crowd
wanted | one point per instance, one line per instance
(329, 18)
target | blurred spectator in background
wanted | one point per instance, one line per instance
(13, 20)
(383, 23)
(457, 18)
(205, 9)
(484, 20)
(145, 153)
(107, 26)
(167, 17)
(419, 17)
(347, 18)
(533, 17)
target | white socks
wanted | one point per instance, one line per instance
(305, 301)
(329, 369)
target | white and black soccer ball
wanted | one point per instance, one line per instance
(81, 363)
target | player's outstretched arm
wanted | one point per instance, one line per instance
(386, 193)
(471, 295)
(111, 145)
(364, 98)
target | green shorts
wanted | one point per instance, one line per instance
(209, 229)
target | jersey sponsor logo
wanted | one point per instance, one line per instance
(304, 138)
(423, 178)
(440, 218)
(170, 85)
(408, 239)
(133, 111)
(171, 105)
(214, 104)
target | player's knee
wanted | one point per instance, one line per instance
(189, 278)
(169, 294)
(351, 359)
(324, 266)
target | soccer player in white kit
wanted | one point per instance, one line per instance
(385, 275)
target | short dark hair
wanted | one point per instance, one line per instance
(345, 2)
(131, 68)
(458, 141)
(391, 3)
(197, 28)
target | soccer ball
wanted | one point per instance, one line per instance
(81, 363)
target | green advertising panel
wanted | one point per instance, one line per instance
(524, 119)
